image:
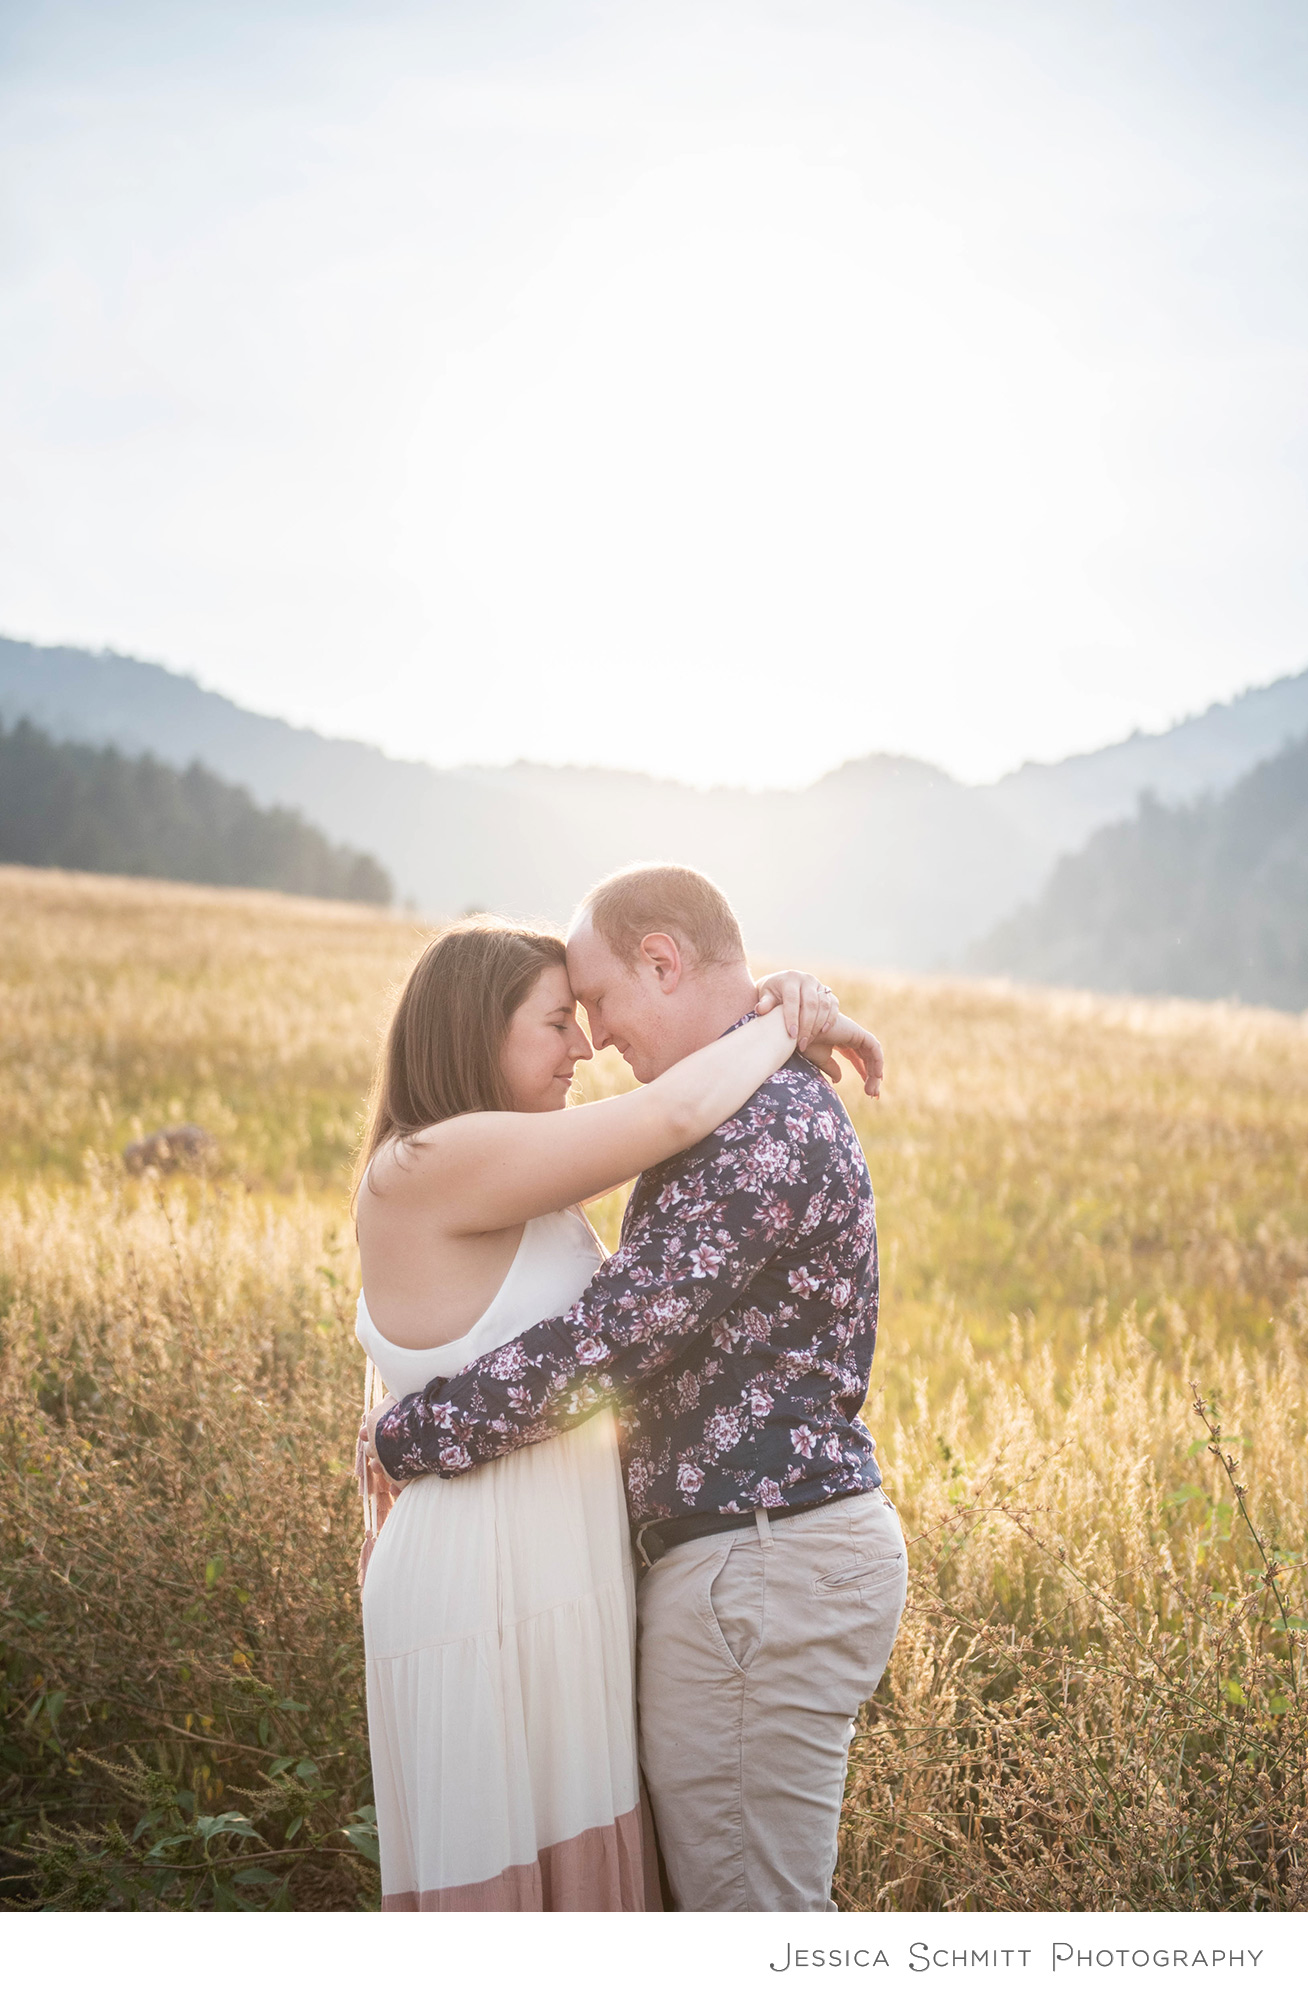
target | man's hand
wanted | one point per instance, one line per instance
(374, 1417)
(811, 1009)
(859, 1044)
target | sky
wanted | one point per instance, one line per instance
(724, 390)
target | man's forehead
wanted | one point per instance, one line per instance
(590, 961)
(583, 938)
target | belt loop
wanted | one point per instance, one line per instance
(763, 1524)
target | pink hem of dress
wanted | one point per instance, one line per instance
(610, 1867)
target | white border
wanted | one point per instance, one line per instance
(68, 1956)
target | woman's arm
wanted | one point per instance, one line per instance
(491, 1169)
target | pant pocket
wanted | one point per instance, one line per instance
(736, 1598)
(856, 1575)
(867, 1556)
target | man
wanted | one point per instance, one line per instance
(735, 1325)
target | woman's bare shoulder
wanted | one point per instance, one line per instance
(410, 1162)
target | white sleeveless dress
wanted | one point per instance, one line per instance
(499, 1627)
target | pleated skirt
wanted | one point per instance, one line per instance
(499, 1626)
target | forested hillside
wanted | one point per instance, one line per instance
(68, 805)
(1209, 900)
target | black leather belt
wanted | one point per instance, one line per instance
(655, 1538)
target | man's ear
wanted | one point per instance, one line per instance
(663, 956)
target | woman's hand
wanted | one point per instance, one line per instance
(811, 1009)
(812, 1014)
(859, 1044)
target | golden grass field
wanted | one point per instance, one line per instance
(1086, 1206)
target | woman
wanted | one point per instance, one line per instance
(498, 1608)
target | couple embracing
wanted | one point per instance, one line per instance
(664, 1442)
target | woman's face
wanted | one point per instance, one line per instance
(543, 1045)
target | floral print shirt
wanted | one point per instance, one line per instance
(733, 1327)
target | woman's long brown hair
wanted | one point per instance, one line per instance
(441, 1055)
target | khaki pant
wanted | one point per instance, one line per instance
(756, 1649)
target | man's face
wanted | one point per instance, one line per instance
(627, 1006)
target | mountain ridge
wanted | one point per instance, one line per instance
(1204, 752)
(884, 860)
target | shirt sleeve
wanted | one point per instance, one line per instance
(690, 1249)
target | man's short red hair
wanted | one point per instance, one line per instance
(662, 896)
